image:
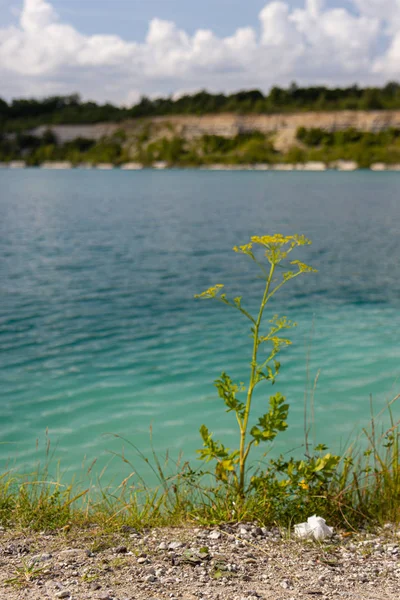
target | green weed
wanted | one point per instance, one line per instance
(25, 574)
(231, 465)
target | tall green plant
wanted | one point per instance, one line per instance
(231, 465)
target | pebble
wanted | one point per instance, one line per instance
(162, 546)
(128, 529)
(142, 560)
(42, 557)
(63, 594)
(175, 545)
(73, 553)
(215, 535)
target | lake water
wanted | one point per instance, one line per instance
(100, 334)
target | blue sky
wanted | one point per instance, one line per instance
(119, 49)
(130, 18)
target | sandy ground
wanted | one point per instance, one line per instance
(234, 562)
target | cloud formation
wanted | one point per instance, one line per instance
(314, 44)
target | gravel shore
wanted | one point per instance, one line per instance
(238, 562)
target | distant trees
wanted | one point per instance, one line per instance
(22, 114)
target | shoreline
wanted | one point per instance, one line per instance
(340, 166)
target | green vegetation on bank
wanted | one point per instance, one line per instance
(22, 114)
(359, 486)
(247, 148)
(35, 150)
(365, 148)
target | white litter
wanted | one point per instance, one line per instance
(315, 528)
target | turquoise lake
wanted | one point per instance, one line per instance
(100, 333)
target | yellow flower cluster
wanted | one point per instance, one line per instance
(273, 244)
(303, 267)
(277, 341)
(246, 248)
(211, 292)
(280, 240)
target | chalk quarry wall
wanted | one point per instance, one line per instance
(229, 125)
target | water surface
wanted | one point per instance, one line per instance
(100, 334)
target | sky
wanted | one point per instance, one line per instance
(119, 50)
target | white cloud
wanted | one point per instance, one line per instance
(36, 15)
(338, 40)
(313, 44)
(388, 11)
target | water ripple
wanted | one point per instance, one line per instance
(99, 330)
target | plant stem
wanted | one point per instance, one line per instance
(243, 429)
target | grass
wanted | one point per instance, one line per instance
(370, 480)
(25, 574)
(362, 489)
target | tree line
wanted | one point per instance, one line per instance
(20, 114)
